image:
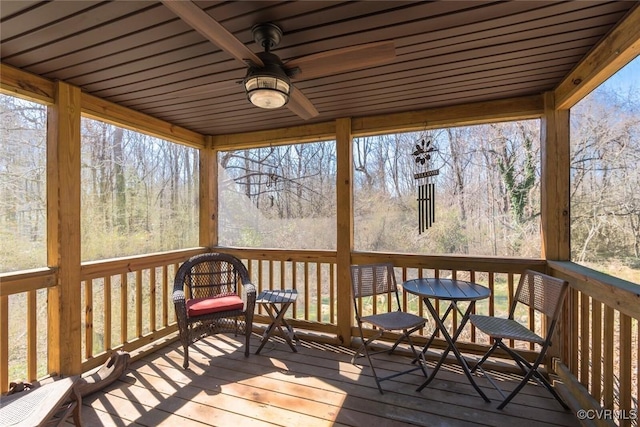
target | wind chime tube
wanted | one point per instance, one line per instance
(427, 205)
(432, 204)
(425, 213)
(419, 209)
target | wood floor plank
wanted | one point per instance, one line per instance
(462, 400)
(317, 386)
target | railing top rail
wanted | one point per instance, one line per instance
(94, 269)
(26, 280)
(298, 255)
(620, 294)
(455, 262)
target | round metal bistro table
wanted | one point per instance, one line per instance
(453, 291)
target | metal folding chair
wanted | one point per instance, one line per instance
(375, 291)
(542, 293)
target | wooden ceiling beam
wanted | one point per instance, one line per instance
(115, 114)
(619, 47)
(16, 82)
(526, 107)
(291, 135)
(22, 84)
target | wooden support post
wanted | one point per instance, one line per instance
(555, 195)
(208, 195)
(63, 230)
(555, 182)
(344, 218)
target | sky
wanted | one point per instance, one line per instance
(627, 78)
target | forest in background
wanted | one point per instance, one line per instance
(487, 193)
(487, 190)
(140, 194)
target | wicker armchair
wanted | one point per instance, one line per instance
(213, 293)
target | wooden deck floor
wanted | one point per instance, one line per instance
(315, 387)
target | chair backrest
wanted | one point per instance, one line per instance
(374, 280)
(211, 274)
(541, 292)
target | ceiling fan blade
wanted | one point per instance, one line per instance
(205, 88)
(200, 21)
(342, 60)
(301, 105)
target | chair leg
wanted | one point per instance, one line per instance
(247, 340)
(373, 369)
(418, 355)
(365, 352)
(530, 371)
(185, 337)
(185, 364)
(404, 336)
(516, 390)
(486, 355)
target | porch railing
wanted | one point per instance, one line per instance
(600, 360)
(127, 305)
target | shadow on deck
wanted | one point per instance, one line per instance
(318, 386)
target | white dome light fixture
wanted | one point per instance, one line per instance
(268, 86)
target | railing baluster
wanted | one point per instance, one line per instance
(454, 313)
(88, 318)
(282, 276)
(294, 282)
(319, 275)
(152, 299)
(472, 278)
(124, 303)
(166, 288)
(596, 356)
(625, 369)
(332, 293)
(107, 313)
(584, 339)
(138, 303)
(609, 325)
(270, 270)
(4, 343)
(250, 270)
(32, 336)
(532, 324)
(573, 331)
(510, 296)
(307, 300)
(260, 276)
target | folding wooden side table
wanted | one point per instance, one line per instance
(276, 303)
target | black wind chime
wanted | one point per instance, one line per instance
(426, 188)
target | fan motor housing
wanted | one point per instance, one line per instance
(267, 35)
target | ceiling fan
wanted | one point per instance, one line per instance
(268, 80)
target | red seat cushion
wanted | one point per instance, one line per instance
(208, 305)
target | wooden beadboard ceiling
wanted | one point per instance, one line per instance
(136, 53)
